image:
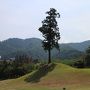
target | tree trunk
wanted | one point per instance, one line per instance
(49, 56)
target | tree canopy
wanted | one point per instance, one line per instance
(50, 31)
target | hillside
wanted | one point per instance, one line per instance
(11, 47)
(80, 46)
(33, 46)
(55, 79)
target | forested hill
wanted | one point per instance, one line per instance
(33, 46)
(80, 46)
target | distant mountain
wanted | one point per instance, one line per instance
(11, 47)
(80, 46)
(33, 46)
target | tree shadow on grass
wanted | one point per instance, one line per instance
(41, 72)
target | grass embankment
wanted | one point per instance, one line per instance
(51, 78)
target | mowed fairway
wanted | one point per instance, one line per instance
(61, 76)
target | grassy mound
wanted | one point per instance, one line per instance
(51, 77)
(41, 72)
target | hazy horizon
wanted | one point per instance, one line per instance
(42, 39)
(22, 18)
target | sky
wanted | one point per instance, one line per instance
(22, 18)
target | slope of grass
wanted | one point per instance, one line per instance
(52, 79)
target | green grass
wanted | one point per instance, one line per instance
(66, 61)
(52, 79)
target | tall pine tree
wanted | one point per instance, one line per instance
(50, 32)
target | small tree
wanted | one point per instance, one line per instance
(87, 58)
(50, 32)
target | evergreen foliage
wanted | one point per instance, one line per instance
(50, 32)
